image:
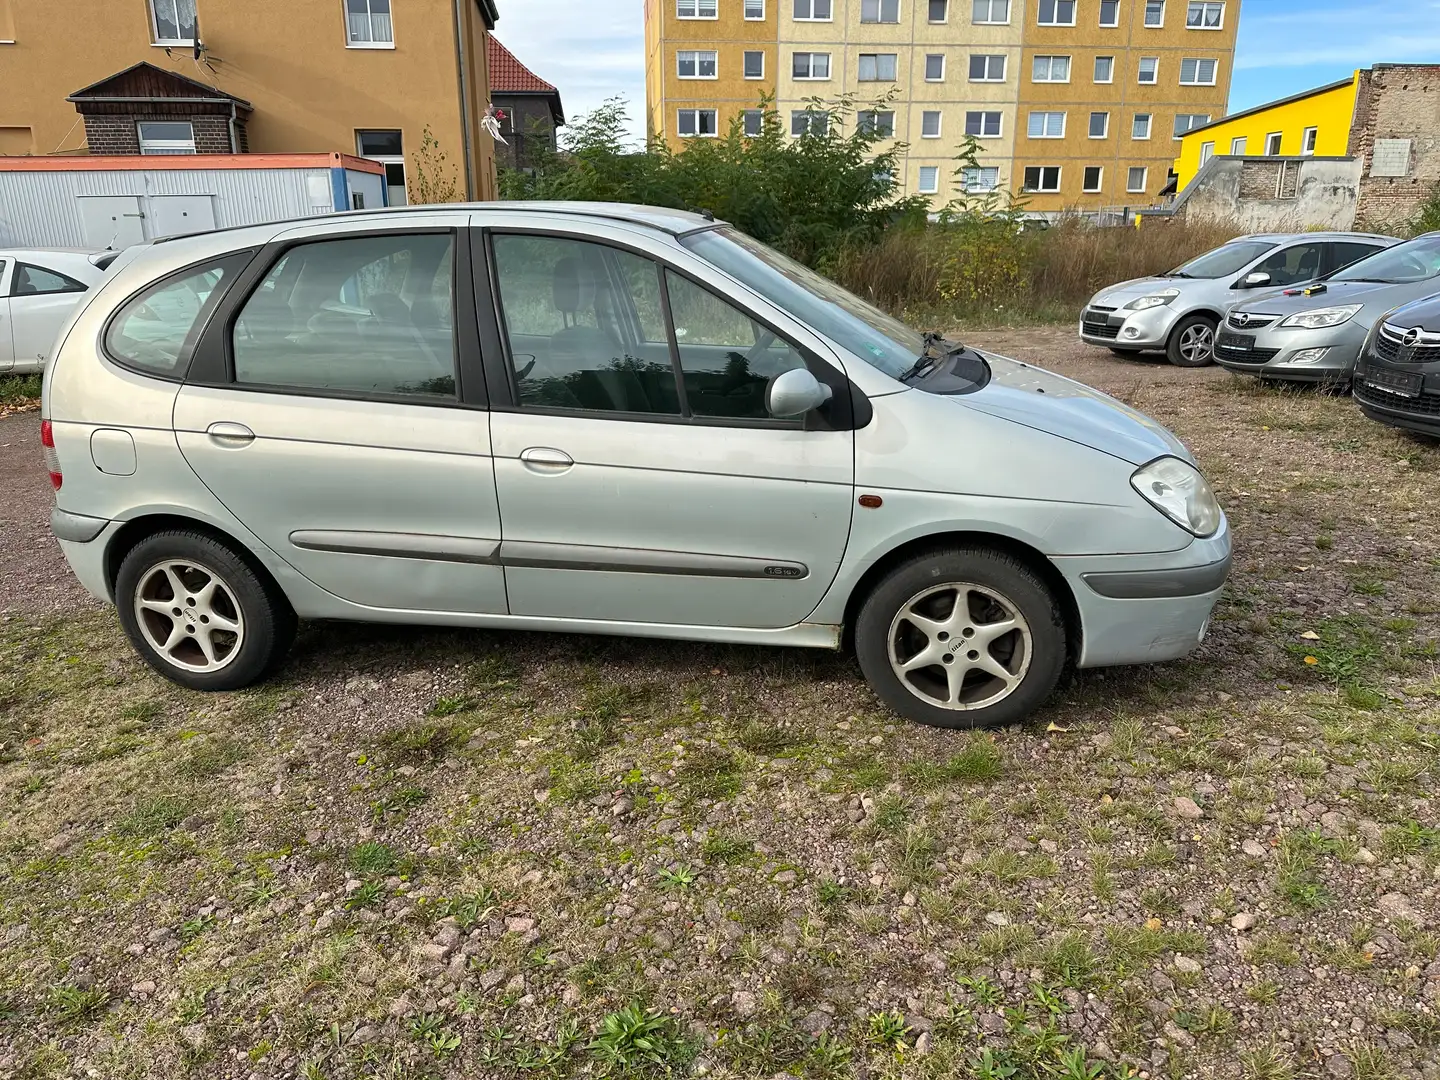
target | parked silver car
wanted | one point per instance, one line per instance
(39, 287)
(602, 419)
(1314, 333)
(1180, 311)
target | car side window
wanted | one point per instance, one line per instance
(585, 326)
(1345, 252)
(151, 330)
(1291, 265)
(367, 315)
(726, 358)
(37, 281)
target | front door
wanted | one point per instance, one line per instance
(640, 477)
(339, 432)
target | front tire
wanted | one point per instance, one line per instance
(962, 637)
(199, 614)
(1192, 342)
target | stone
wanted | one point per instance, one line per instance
(366, 1034)
(1338, 1065)
(402, 1006)
(194, 1035)
(1178, 1035)
(745, 1003)
(1254, 849)
(519, 924)
(993, 1024)
(784, 877)
(433, 950)
(1050, 847)
(1243, 920)
(1187, 965)
(1365, 857)
(922, 1044)
(1394, 905)
(144, 988)
(1187, 808)
(515, 984)
(997, 918)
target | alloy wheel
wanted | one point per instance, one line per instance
(189, 616)
(960, 646)
(1197, 343)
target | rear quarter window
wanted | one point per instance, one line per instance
(155, 330)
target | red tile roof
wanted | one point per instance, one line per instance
(510, 76)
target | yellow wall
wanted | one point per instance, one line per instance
(1328, 111)
(289, 60)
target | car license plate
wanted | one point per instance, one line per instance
(1402, 383)
(1235, 341)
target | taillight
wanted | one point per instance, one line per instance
(52, 459)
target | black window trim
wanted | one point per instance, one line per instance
(214, 360)
(847, 410)
(198, 329)
(78, 286)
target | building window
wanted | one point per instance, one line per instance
(986, 68)
(692, 123)
(1207, 151)
(1057, 12)
(368, 25)
(873, 122)
(939, 11)
(1099, 125)
(1091, 181)
(1189, 121)
(812, 11)
(754, 10)
(935, 67)
(983, 125)
(978, 178)
(753, 122)
(1237, 146)
(930, 124)
(1272, 143)
(166, 137)
(877, 67)
(1046, 125)
(991, 12)
(1041, 178)
(879, 11)
(1140, 126)
(1205, 15)
(1197, 72)
(1307, 140)
(809, 122)
(173, 21)
(754, 65)
(697, 9)
(1135, 179)
(1149, 69)
(695, 65)
(929, 179)
(1050, 69)
(811, 65)
(1154, 12)
(1104, 69)
(387, 148)
(1109, 12)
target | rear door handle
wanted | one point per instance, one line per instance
(230, 435)
(545, 459)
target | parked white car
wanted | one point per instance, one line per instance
(39, 288)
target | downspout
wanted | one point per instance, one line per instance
(234, 138)
(464, 67)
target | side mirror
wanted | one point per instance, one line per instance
(1255, 280)
(794, 393)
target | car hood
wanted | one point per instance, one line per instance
(1336, 293)
(1051, 403)
(1122, 292)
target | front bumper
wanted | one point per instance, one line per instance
(1272, 351)
(1142, 609)
(1117, 328)
(1413, 413)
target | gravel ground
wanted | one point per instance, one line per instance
(434, 854)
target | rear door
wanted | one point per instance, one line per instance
(41, 299)
(7, 351)
(1344, 252)
(332, 409)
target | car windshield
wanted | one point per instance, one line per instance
(879, 339)
(1224, 260)
(1414, 260)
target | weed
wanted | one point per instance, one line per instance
(154, 814)
(892, 813)
(831, 892)
(887, 1029)
(373, 859)
(1263, 992)
(710, 772)
(827, 1057)
(917, 851)
(633, 1037)
(1269, 1061)
(1411, 838)
(369, 894)
(192, 928)
(719, 847)
(1370, 1062)
(450, 706)
(422, 744)
(680, 877)
(982, 989)
(468, 909)
(70, 1002)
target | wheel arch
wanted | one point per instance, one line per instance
(1018, 549)
(1205, 310)
(136, 530)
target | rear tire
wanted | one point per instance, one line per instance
(199, 613)
(990, 658)
(1192, 342)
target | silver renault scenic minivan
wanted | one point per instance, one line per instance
(602, 419)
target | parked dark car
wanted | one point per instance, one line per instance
(1397, 378)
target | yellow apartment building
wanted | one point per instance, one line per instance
(1076, 103)
(360, 77)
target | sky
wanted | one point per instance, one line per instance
(595, 49)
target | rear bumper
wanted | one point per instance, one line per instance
(86, 556)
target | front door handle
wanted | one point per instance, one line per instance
(230, 435)
(544, 459)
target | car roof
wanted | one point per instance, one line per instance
(1333, 235)
(72, 260)
(66, 254)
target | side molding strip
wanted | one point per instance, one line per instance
(461, 549)
(645, 561)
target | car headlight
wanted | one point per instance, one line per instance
(1178, 491)
(1159, 299)
(1321, 317)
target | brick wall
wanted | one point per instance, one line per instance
(1397, 101)
(1258, 179)
(117, 134)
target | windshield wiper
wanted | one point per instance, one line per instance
(929, 356)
